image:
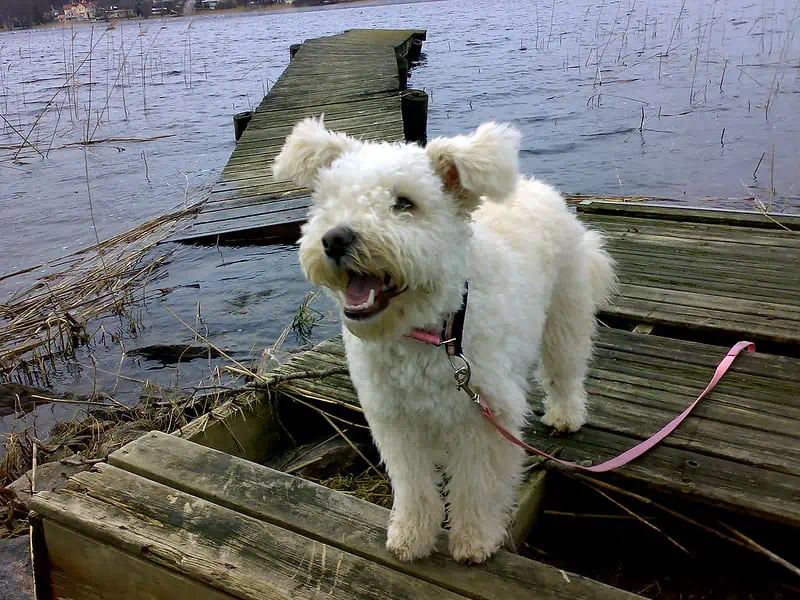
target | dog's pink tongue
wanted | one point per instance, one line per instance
(359, 288)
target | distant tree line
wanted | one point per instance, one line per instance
(26, 13)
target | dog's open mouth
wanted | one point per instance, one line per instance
(367, 295)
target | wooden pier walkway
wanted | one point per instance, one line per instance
(199, 517)
(685, 274)
(355, 79)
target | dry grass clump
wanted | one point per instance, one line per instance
(369, 486)
(51, 318)
(93, 437)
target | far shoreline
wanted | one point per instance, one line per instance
(255, 10)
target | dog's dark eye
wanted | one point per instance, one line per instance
(403, 204)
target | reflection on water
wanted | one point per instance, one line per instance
(612, 97)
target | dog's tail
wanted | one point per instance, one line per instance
(602, 279)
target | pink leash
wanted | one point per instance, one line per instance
(628, 455)
(640, 448)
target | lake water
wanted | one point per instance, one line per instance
(635, 97)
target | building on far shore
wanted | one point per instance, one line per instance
(166, 8)
(114, 13)
(78, 11)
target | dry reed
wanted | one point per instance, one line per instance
(52, 317)
(108, 426)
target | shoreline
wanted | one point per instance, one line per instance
(255, 10)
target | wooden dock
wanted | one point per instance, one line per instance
(195, 514)
(356, 80)
(723, 276)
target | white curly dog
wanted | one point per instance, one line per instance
(394, 234)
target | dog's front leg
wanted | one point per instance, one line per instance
(418, 507)
(485, 471)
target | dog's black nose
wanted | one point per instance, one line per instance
(337, 240)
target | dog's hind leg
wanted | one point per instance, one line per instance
(418, 507)
(566, 349)
(485, 471)
(585, 283)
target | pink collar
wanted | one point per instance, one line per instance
(452, 332)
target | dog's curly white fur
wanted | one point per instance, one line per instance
(394, 233)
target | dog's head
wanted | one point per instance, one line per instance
(388, 233)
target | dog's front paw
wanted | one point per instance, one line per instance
(564, 420)
(410, 541)
(471, 549)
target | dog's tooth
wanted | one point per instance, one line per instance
(371, 300)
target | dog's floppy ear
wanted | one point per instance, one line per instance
(485, 163)
(309, 148)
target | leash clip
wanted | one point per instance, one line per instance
(463, 374)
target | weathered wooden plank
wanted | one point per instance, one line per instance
(694, 245)
(281, 227)
(368, 83)
(231, 190)
(243, 154)
(380, 66)
(759, 394)
(86, 568)
(65, 588)
(691, 282)
(332, 108)
(689, 353)
(701, 231)
(636, 403)
(243, 426)
(693, 215)
(231, 200)
(353, 125)
(263, 203)
(281, 125)
(277, 116)
(638, 412)
(225, 549)
(770, 262)
(529, 507)
(320, 99)
(265, 212)
(325, 515)
(780, 315)
(775, 272)
(723, 282)
(375, 128)
(314, 95)
(750, 372)
(312, 83)
(702, 319)
(321, 49)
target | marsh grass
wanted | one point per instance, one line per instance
(53, 317)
